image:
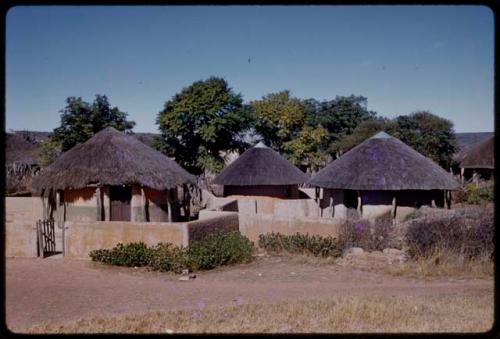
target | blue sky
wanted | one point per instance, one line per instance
(402, 58)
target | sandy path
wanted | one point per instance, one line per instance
(64, 290)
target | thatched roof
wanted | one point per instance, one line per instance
(20, 151)
(383, 162)
(260, 165)
(112, 158)
(480, 156)
(466, 141)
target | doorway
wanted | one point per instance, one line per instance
(120, 197)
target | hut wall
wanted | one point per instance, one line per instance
(157, 205)
(334, 203)
(277, 191)
(81, 204)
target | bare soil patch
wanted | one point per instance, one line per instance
(63, 291)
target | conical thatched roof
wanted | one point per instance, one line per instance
(383, 162)
(480, 156)
(112, 158)
(260, 165)
(20, 151)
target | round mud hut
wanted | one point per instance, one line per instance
(261, 171)
(382, 175)
(114, 177)
(21, 164)
(479, 161)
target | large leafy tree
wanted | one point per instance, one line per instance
(199, 124)
(427, 133)
(81, 120)
(282, 122)
(363, 131)
(339, 116)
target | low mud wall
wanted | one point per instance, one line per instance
(83, 237)
(21, 214)
(252, 225)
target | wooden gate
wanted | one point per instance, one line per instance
(46, 239)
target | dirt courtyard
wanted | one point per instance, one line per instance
(60, 291)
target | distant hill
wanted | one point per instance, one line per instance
(37, 137)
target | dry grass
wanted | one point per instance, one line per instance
(444, 264)
(452, 313)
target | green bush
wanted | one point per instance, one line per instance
(219, 249)
(131, 254)
(299, 243)
(215, 250)
(472, 194)
(167, 257)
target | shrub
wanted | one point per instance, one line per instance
(214, 250)
(131, 254)
(300, 243)
(369, 235)
(472, 194)
(219, 249)
(167, 257)
(468, 232)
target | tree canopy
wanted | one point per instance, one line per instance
(427, 133)
(339, 116)
(81, 120)
(283, 123)
(202, 122)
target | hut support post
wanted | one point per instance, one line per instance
(99, 203)
(143, 205)
(169, 205)
(393, 210)
(462, 170)
(358, 208)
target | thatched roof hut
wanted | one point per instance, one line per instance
(381, 176)
(383, 162)
(260, 165)
(480, 156)
(261, 171)
(21, 164)
(20, 151)
(466, 141)
(112, 158)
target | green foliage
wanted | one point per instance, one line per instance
(49, 152)
(472, 194)
(299, 243)
(203, 120)
(339, 116)
(363, 131)
(81, 120)
(282, 122)
(214, 250)
(219, 249)
(132, 254)
(428, 134)
(425, 132)
(167, 257)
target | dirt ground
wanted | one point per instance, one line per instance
(60, 291)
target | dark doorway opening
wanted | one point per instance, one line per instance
(120, 197)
